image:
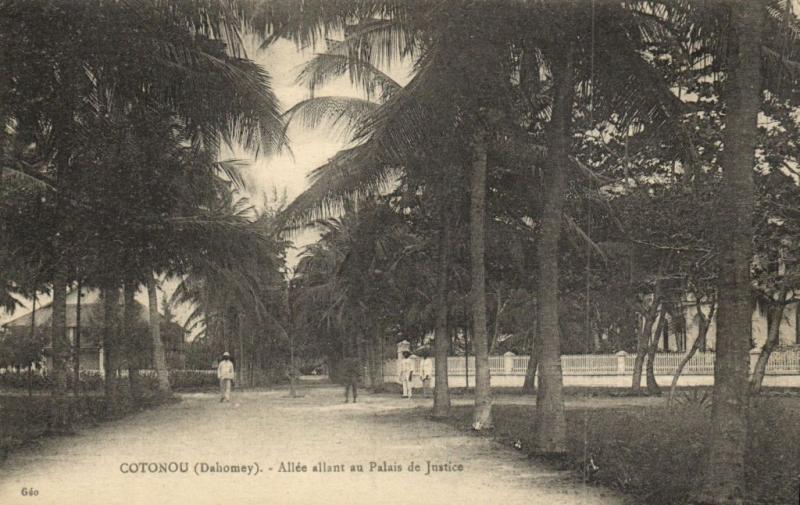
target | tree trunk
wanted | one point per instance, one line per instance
(110, 297)
(369, 376)
(497, 314)
(159, 355)
(61, 419)
(652, 385)
(441, 393)
(242, 360)
(360, 352)
(129, 319)
(529, 385)
(76, 386)
(642, 345)
(33, 339)
(482, 417)
(702, 331)
(467, 336)
(551, 427)
(377, 355)
(724, 477)
(775, 315)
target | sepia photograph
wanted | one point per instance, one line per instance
(400, 252)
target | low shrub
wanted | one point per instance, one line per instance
(89, 381)
(24, 419)
(192, 379)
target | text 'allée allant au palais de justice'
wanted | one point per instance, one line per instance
(427, 467)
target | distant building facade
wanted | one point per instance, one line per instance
(679, 336)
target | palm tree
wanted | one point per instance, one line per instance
(159, 356)
(386, 136)
(743, 93)
(184, 62)
(231, 273)
(550, 419)
(330, 185)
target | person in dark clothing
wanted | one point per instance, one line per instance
(351, 373)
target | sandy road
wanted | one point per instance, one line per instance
(266, 430)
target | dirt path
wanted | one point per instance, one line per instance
(266, 429)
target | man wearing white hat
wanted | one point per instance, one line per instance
(225, 374)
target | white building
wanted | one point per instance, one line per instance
(680, 339)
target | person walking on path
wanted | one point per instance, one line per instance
(406, 374)
(225, 374)
(426, 372)
(351, 373)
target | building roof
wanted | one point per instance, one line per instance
(91, 312)
(91, 315)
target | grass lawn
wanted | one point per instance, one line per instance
(654, 454)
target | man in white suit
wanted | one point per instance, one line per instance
(225, 374)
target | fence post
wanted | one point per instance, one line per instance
(508, 362)
(621, 355)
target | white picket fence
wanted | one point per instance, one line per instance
(782, 362)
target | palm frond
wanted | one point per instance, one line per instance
(343, 115)
(350, 175)
(325, 67)
(232, 170)
(27, 177)
(221, 96)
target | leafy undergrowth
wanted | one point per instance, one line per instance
(654, 455)
(25, 419)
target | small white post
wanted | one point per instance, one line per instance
(621, 355)
(508, 362)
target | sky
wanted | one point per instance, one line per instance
(309, 149)
(287, 172)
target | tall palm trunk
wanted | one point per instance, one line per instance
(110, 297)
(159, 355)
(76, 385)
(482, 416)
(33, 339)
(467, 336)
(774, 316)
(242, 361)
(441, 393)
(551, 428)
(369, 378)
(377, 355)
(724, 477)
(60, 416)
(129, 318)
